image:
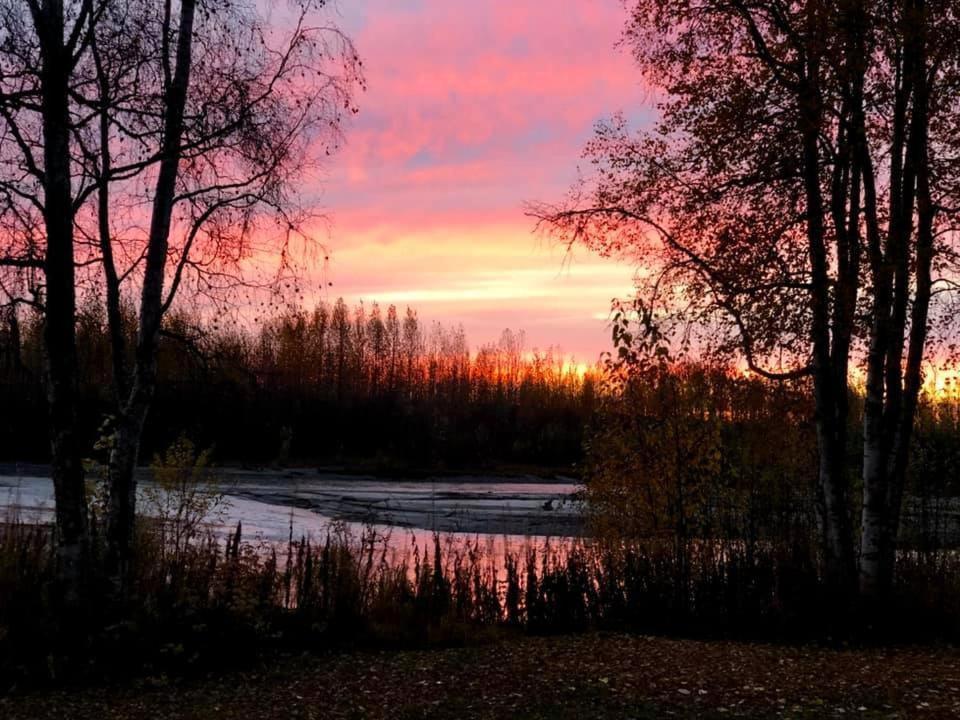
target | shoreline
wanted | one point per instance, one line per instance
(531, 475)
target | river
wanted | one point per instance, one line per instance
(511, 511)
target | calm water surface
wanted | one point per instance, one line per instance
(496, 513)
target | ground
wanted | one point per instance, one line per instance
(588, 676)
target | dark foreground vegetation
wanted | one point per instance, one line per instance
(371, 388)
(198, 605)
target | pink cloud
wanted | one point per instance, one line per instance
(473, 109)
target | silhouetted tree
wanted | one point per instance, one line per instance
(41, 44)
(151, 149)
(209, 112)
(794, 209)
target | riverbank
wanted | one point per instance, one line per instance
(596, 675)
(358, 469)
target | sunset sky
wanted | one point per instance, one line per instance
(473, 109)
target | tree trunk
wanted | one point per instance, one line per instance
(830, 410)
(874, 523)
(874, 519)
(892, 393)
(59, 328)
(123, 484)
(122, 501)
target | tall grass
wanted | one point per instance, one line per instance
(217, 602)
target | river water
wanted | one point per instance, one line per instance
(495, 512)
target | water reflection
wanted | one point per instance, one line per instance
(480, 515)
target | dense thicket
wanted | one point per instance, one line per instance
(333, 385)
(684, 452)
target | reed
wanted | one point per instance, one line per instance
(216, 602)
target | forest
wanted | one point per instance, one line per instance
(371, 390)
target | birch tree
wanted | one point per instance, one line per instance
(207, 116)
(793, 210)
(151, 150)
(41, 44)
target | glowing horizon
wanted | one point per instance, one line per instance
(471, 111)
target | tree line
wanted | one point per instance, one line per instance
(374, 389)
